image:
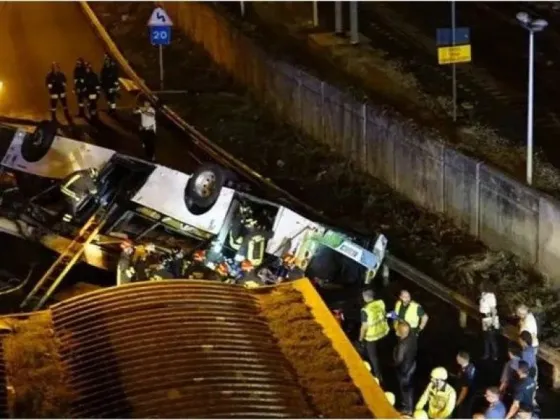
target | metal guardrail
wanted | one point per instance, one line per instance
(465, 307)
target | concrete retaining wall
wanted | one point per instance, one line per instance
(488, 204)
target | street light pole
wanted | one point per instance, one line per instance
(532, 26)
(530, 108)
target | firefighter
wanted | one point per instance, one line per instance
(79, 86)
(148, 129)
(56, 84)
(439, 396)
(374, 328)
(176, 265)
(110, 82)
(92, 88)
(289, 270)
(77, 188)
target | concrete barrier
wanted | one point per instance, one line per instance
(501, 212)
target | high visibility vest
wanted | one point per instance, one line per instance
(234, 242)
(255, 250)
(410, 314)
(440, 401)
(377, 326)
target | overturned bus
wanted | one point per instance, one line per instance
(138, 203)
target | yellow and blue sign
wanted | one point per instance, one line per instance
(453, 47)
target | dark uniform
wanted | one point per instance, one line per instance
(80, 85)
(110, 82)
(524, 392)
(466, 379)
(56, 84)
(404, 357)
(92, 88)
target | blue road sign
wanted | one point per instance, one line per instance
(160, 35)
(444, 36)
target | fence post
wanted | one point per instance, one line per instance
(477, 201)
(322, 112)
(299, 101)
(364, 138)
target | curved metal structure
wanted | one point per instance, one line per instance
(174, 349)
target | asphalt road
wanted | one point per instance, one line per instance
(32, 36)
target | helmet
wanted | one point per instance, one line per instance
(420, 414)
(289, 259)
(390, 397)
(366, 364)
(222, 269)
(199, 255)
(246, 265)
(439, 373)
(126, 245)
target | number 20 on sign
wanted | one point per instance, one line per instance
(160, 35)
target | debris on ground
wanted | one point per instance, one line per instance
(34, 370)
(320, 370)
(226, 114)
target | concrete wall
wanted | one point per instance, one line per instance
(488, 204)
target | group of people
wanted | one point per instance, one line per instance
(87, 87)
(440, 399)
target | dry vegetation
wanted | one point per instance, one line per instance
(231, 118)
(319, 369)
(34, 369)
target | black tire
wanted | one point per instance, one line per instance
(36, 146)
(196, 202)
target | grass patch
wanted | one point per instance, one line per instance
(319, 369)
(35, 371)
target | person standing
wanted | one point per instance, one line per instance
(80, 86)
(91, 90)
(374, 328)
(496, 408)
(528, 322)
(528, 353)
(465, 385)
(110, 82)
(56, 85)
(411, 312)
(524, 393)
(404, 357)
(488, 308)
(509, 377)
(148, 129)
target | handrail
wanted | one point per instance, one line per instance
(546, 353)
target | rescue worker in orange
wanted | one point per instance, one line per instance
(410, 312)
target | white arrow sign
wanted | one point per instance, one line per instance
(159, 18)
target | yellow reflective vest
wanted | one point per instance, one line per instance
(377, 326)
(441, 402)
(410, 314)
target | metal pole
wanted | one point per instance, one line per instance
(453, 66)
(315, 14)
(161, 67)
(354, 38)
(338, 18)
(530, 109)
(242, 4)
